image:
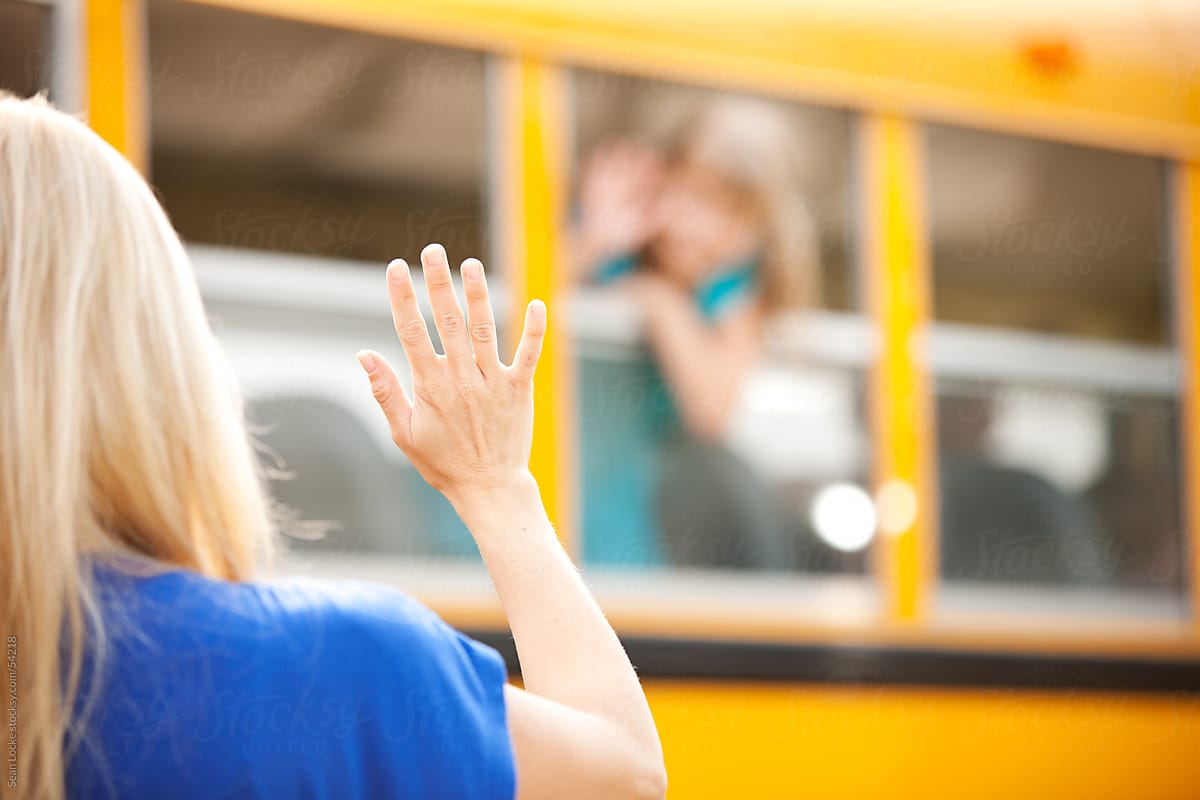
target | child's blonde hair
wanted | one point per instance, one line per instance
(750, 143)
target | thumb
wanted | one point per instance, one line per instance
(388, 392)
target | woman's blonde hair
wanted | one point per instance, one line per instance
(121, 430)
(751, 144)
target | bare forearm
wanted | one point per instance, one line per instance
(703, 370)
(568, 651)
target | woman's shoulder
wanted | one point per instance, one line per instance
(354, 603)
(339, 618)
(345, 605)
(362, 615)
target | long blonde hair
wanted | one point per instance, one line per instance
(121, 430)
(750, 143)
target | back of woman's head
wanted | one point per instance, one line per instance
(120, 428)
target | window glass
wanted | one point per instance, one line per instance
(24, 43)
(296, 161)
(1057, 406)
(720, 427)
(1047, 237)
(282, 136)
(1094, 504)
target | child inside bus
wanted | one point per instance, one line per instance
(712, 237)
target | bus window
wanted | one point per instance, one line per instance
(1047, 237)
(1055, 367)
(296, 161)
(721, 351)
(24, 42)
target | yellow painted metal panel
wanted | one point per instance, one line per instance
(533, 102)
(767, 741)
(896, 266)
(115, 75)
(1077, 81)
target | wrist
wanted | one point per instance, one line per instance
(514, 490)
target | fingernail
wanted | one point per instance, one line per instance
(367, 360)
(398, 270)
(434, 253)
(472, 269)
(537, 309)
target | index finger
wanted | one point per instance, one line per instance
(406, 316)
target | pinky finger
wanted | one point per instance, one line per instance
(530, 349)
(389, 393)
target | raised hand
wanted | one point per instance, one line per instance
(468, 427)
(582, 719)
(616, 198)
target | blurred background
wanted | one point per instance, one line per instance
(868, 410)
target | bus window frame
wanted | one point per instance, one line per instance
(64, 74)
(533, 50)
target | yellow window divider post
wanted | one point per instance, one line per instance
(531, 99)
(897, 275)
(115, 67)
(1186, 239)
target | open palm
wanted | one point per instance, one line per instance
(469, 424)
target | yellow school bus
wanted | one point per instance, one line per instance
(1011, 208)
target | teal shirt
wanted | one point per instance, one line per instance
(626, 412)
(723, 291)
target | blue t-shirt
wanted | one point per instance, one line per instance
(291, 689)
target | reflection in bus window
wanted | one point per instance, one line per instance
(1047, 237)
(1094, 504)
(1057, 437)
(296, 161)
(709, 438)
(277, 135)
(24, 44)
